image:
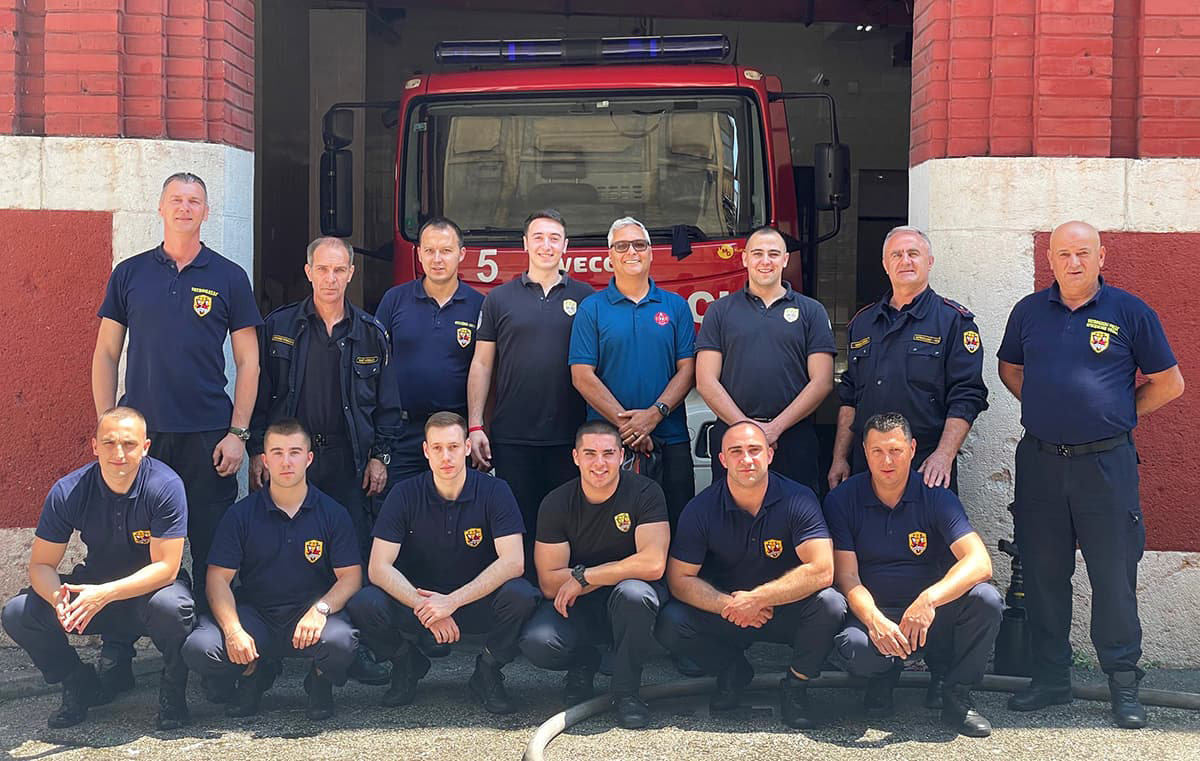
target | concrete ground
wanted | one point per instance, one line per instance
(445, 723)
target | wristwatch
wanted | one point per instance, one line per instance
(577, 574)
(663, 409)
(381, 454)
(322, 607)
(241, 433)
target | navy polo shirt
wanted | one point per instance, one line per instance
(536, 403)
(634, 348)
(1080, 366)
(765, 349)
(432, 346)
(446, 543)
(284, 564)
(116, 528)
(177, 323)
(738, 551)
(903, 550)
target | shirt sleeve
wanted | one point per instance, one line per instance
(847, 386)
(168, 518)
(488, 330)
(818, 330)
(836, 520)
(709, 337)
(651, 504)
(392, 523)
(952, 521)
(113, 306)
(1011, 348)
(1151, 351)
(55, 524)
(685, 330)
(966, 393)
(243, 309)
(227, 544)
(585, 339)
(551, 528)
(343, 544)
(690, 544)
(806, 520)
(503, 513)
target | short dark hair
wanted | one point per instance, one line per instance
(601, 427)
(288, 426)
(744, 421)
(446, 420)
(444, 223)
(186, 178)
(551, 214)
(886, 422)
(768, 229)
(121, 412)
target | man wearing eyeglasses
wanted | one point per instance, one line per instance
(632, 359)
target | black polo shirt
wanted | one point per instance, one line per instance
(738, 551)
(445, 544)
(320, 402)
(903, 550)
(536, 403)
(764, 350)
(604, 532)
(1080, 366)
(115, 528)
(284, 564)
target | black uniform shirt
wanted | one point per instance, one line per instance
(320, 403)
(600, 533)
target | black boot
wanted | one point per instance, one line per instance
(632, 712)
(1038, 696)
(1127, 710)
(320, 695)
(581, 677)
(218, 689)
(731, 682)
(793, 702)
(81, 690)
(933, 693)
(958, 712)
(250, 689)
(365, 670)
(408, 666)
(488, 685)
(878, 700)
(116, 676)
(172, 698)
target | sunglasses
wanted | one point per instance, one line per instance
(622, 246)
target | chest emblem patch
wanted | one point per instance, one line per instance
(202, 304)
(971, 341)
(464, 337)
(772, 548)
(313, 550)
(917, 542)
(473, 536)
(569, 307)
(141, 537)
(623, 522)
(1099, 341)
(661, 318)
(791, 314)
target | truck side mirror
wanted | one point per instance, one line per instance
(831, 169)
(337, 128)
(337, 193)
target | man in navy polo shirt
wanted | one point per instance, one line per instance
(766, 353)
(913, 572)
(524, 332)
(447, 559)
(433, 323)
(632, 359)
(1071, 354)
(752, 561)
(131, 514)
(294, 552)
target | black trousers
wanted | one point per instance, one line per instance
(334, 472)
(957, 646)
(858, 458)
(623, 615)
(167, 615)
(678, 479)
(807, 625)
(386, 624)
(797, 454)
(1091, 500)
(532, 472)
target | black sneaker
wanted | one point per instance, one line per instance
(408, 667)
(793, 702)
(878, 699)
(365, 670)
(81, 690)
(320, 696)
(958, 712)
(632, 712)
(488, 685)
(116, 676)
(731, 682)
(250, 689)
(1127, 710)
(172, 699)
(580, 685)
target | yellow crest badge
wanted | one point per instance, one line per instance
(725, 251)
(791, 314)
(569, 307)
(622, 521)
(473, 536)
(464, 337)
(971, 341)
(917, 542)
(141, 537)
(202, 304)
(1099, 341)
(772, 548)
(313, 550)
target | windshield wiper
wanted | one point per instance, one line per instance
(493, 231)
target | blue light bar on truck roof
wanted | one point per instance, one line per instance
(690, 47)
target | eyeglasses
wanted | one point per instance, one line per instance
(622, 246)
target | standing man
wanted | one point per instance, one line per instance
(1071, 354)
(766, 353)
(916, 353)
(752, 561)
(601, 552)
(447, 559)
(914, 574)
(631, 358)
(524, 333)
(131, 514)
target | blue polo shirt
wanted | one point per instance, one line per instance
(284, 564)
(446, 543)
(634, 348)
(432, 346)
(177, 323)
(901, 550)
(1080, 366)
(739, 551)
(115, 528)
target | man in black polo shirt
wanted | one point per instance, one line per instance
(294, 552)
(752, 561)
(447, 559)
(524, 333)
(766, 352)
(915, 575)
(131, 514)
(601, 551)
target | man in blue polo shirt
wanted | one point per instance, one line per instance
(447, 559)
(915, 575)
(752, 561)
(131, 514)
(296, 557)
(1071, 354)
(766, 353)
(632, 359)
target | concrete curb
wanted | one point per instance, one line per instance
(28, 683)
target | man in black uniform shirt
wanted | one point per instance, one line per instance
(601, 551)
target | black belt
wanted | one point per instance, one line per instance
(1092, 447)
(328, 440)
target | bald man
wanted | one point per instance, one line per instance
(1071, 354)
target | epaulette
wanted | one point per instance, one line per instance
(959, 308)
(856, 314)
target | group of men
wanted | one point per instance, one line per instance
(360, 429)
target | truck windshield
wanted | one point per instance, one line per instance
(487, 162)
